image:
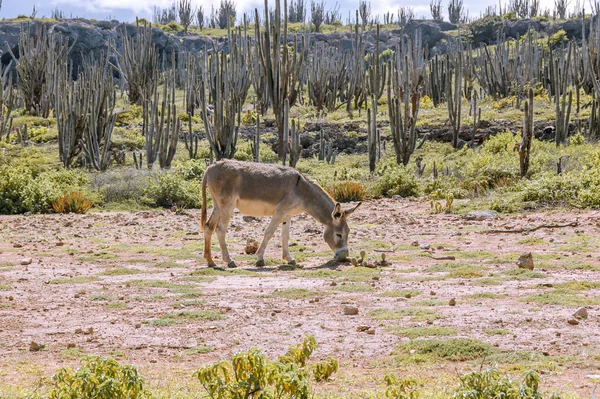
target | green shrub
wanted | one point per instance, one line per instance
(252, 371)
(192, 169)
(395, 180)
(401, 388)
(12, 185)
(510, 16)
(558, 38)
(168, 188)
(121, 184)
(490, 384)
(99, 378)
(485, 30)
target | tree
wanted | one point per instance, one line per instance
(200, 17)
(317, 14)
(226, 14)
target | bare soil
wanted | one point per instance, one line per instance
(135, 286)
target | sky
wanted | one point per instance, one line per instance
(127, 10)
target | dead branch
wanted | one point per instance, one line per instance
(530, 229)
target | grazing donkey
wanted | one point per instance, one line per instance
(258, 189)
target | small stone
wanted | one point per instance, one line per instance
(26, 261)
(35, 347)
(424, 246)
(432, 293)
(452, 302)
(333, 284)
(362, 328)
(60, 244)
(371, 331)
(138, 325)
(251, 247)
(525, 261)
(481, 215)
(70, 346)
(17, 245)
(350, 310)
(581, 313)
(573, 322)
(408, 295)
(415, 243)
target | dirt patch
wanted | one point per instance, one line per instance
(135, 286)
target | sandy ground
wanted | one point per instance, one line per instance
(135, 286)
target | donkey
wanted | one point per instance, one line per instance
(258, 189)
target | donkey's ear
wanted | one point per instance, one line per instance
(337, 211)
(350, 211)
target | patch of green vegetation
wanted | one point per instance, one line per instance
(162, 322)
(72, 353)
(487, 295)
(417, 332)
(429, 302)
(214, 271)
(74, 280)
(120, 271)
(117, 305)
(453, 349)
(578, 285)
(199, 350)
(532, 241)
(101, 298)
(401, 293)
(199, 279)
(522, 274)
(102, 255)
(183, 304)
(559, 297)
(497, 331)
(489, 281)
(4, 287)
(457, 270)
(359, 274)
(297, 293)
(353, 288)
(415, 314)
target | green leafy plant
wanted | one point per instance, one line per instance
(73, 202)
(401, 388)
(252, 375)
(490, 384)
(435, 204)
(99, 378)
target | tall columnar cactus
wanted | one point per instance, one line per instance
(525, 147)
(85, 114)
(40, 53)
(376, 72)
(405, 79)
(137, 63)
(224, 88)
(291, 136)
(454, 94)
(476, 112)
(98, 81)
(280, 66)
(7, 101)
(372, 135)
(437, 80)
(356, 69)
(327, 77)
(559, 68)
(161, 126)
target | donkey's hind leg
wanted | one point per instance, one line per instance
(285, 237)
(225, 217)
(209, 229)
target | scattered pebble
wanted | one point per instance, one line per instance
(35, 347)
(26, 261)
(525, 261)
(581, 313)
(350, 310)
(251, 247)
(573, 322)
(452, 302)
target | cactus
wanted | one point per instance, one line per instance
(327, 77)
(294, 147)
(356, 70)
(224, 87)
(405, 78)
(454, 94)
(563, 96)
(40, 54)
(191, 140)
(525, 147)
(373, 138)
(137, 64)
(256, 144)
(7, 100)
(280, 68)
(476, 110)
(376, 72)
(161, 126)
(437, 80)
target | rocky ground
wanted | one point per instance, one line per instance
(134, 286)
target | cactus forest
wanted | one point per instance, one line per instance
(472, 143)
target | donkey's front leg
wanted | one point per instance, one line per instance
(285, 237)
(275, 221)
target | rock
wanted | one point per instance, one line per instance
(362, 328)
(35, 347)
(424, 246)
(581, 313)
(371, 331)
(525, 261)
(26, 261)
(350, 310)
(415, 243)
(573, 322)
(333, 284)
(432, 293)
(251, 247)
(70, 346)
(249, 219)
(452, 302)
(481, 215)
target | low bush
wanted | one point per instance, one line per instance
(73, 202)
(166, 189)
(347, 191)
(99, 378)
(395, 180)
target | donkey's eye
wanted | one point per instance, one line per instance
(339, 235)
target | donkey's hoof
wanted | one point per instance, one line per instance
(213, 264)
(231, 265)
(260, 263)
(291, 262)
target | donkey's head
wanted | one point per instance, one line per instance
(336, 233)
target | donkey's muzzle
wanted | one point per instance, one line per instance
(341, 254)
